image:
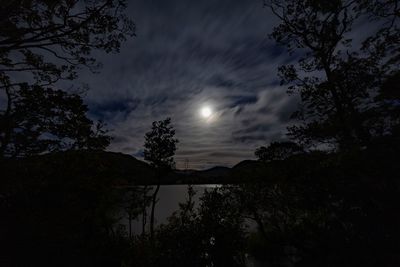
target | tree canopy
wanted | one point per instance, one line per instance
(50, 39)
(337, 77)
(160, 145)
(42, 42)
(47, 120)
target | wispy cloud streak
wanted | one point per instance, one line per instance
(188, 54)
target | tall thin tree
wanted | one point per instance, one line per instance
(160, 147)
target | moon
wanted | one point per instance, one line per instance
(206, 112)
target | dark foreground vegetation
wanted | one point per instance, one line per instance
(310, 209)
(329, 196)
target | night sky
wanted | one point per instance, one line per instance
(188, 55)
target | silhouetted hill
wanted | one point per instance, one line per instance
(242, 172)
(215, 175)
(121, 168)
(217, 171)
(245, 164)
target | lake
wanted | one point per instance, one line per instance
(169, 198)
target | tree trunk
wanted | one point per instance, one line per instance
(260, 225)
(152, 211)
(130, 226)
(6, 124)
(345, 140)
(144, 211)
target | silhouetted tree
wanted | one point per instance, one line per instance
(210, 235)
(160, 147)
(324, 209)
(146, 201)
(48, 120)
(336, 83)
(61, 209)
(42, 42)
(181, 237)
(50, 39)
(387, 112)
(52, 219)
(133, 205)
(222, 229)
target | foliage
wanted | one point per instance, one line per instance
(333, 209)
(179, 243)
(309, 208)
(326, 209)
(51, 218)
(42, 42)
(47, 120)
(135, 203)
(50, 39)
(335, 80)
(222, 228)
(210, 235)
(160, 145)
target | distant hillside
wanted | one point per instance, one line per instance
(244, 171)
(217, 171)
(120, 169)
(215, 175)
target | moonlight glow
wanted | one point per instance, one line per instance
(206, 112)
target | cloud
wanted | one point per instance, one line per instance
(188, 54)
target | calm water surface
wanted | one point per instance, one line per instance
(169, 198)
